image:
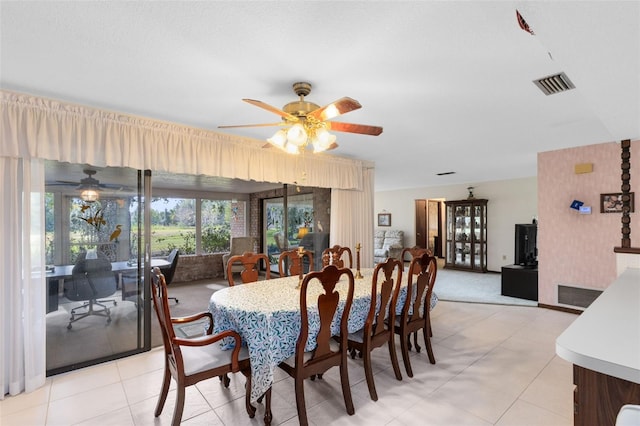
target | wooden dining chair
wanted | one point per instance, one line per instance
(291, 263)
(415, 314)
(328, 352)
(189, 361)
(333, 256)
(251, 267)
(414, 251)
(378, 327)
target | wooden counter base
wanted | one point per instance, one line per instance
(598, 397)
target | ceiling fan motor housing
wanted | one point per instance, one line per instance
(301, 107)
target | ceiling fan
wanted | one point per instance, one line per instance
(308, 124)
(89, 186)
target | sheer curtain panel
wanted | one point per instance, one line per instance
(22, 288)
(352, 218)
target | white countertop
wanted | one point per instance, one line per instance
(606, 336)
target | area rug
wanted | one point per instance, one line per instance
(461, 286)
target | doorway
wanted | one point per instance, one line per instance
(428, 213)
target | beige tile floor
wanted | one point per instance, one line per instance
(496, 365)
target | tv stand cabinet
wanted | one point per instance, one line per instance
(520, 281)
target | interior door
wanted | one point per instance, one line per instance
(421, 223)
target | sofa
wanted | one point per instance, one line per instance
(387, 243)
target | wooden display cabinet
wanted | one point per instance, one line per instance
(466, 243)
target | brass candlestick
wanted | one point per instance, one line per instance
(300, 255)
(358, 274)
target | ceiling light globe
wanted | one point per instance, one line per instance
(297, 135)
(89, 195)
(292, 148)
(279, 138)
(323, 136)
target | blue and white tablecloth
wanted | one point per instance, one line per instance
(266, 314)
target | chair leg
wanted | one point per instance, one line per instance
(226, 381)
(415, 341)
(179, 407)
(300, 404)
(394, 356)
(404, 345)
(369, 375)
(346, 389)
(427, 342)
(267, 408)
(162, 398)
(251, 410)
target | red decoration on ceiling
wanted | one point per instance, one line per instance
(523, 24)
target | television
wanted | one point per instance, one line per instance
(526, 251)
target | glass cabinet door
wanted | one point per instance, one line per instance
(466, 235)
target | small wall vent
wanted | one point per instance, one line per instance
(553, 84)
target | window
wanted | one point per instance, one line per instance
(194, 225)
(173, 225)
(216, 219)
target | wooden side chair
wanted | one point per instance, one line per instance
(329, 352)
(413, 318)
(414, 251)
(333, 256)
(290, 262)
(378, 327)
(251, 267)
(189, 361)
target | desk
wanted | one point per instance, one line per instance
(266, 314)
(603, 344)
(55, 278)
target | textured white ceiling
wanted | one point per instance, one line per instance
(450, 81)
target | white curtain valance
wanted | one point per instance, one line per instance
(34, 127)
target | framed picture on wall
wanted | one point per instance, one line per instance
(612, 203)
(384, 219)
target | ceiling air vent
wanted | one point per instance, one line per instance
(553, 84)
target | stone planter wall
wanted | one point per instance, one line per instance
(198, 267)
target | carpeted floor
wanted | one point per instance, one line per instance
(462, 286)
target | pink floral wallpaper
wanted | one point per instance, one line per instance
(577, 249)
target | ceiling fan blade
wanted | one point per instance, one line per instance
(334, 109)
(332, 146)
(280, 123)
(272, 109)
(354, 128)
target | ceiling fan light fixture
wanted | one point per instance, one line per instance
(322, 141)
(297, 135)
(89, 195)
(89, 187)
(292, 148)
(279, 138)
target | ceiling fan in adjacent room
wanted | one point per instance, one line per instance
(307, 124)
(89, 187)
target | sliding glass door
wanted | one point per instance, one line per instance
(95, 249)
(286, 221)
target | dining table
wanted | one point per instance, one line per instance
(266, 314)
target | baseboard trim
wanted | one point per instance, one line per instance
(560, 308)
